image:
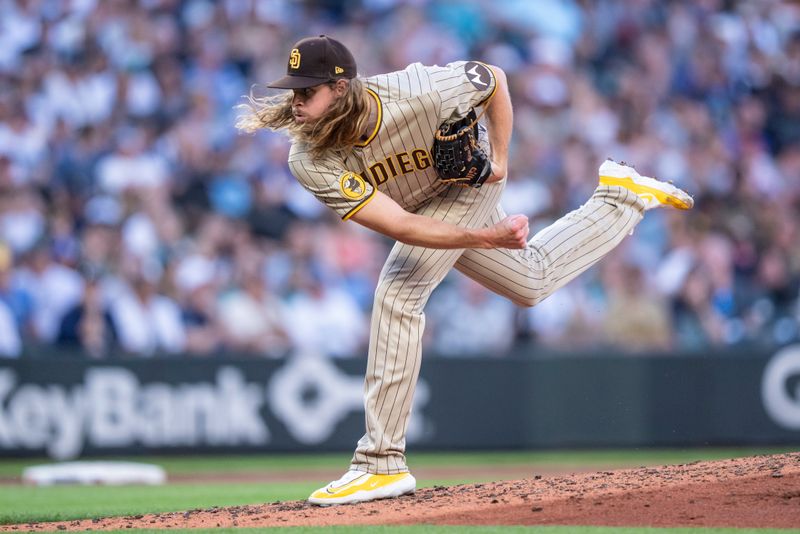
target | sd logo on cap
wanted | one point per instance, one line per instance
(316, 60)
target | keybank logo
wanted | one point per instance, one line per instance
(113, 407)
(780, 388)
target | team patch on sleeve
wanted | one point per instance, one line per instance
(478, 74)
(352, 186)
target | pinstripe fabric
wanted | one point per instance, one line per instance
(413, 103)
(396, 160)
(407, 280)
(553, 257)
(558, 253)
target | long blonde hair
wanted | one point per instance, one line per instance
(339, 129)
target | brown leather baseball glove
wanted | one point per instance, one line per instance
(457, 156)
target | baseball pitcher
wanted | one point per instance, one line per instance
(404, 154)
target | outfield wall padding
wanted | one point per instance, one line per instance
(70, 407)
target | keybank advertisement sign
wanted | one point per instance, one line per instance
(111, 408)
(68, 408)
(780, 388)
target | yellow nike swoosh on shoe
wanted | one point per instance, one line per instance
(681, 202)
(372, 483)
(335, 491)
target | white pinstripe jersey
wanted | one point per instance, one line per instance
(412, 104)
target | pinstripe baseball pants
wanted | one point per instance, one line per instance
(553, 257)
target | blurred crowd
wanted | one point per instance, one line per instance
(135, 220)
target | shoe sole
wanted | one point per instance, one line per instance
(405, 486)
(663, 192)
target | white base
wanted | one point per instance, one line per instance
(86, 473)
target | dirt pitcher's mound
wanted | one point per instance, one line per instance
(760, 491)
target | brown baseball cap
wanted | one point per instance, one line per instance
(316, 60)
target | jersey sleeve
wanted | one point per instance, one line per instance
(462, 85)
(344, 191)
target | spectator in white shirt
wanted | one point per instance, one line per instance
(146, 322)
(325, 319)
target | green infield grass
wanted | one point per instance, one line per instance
(183, 465)
(23, 504)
